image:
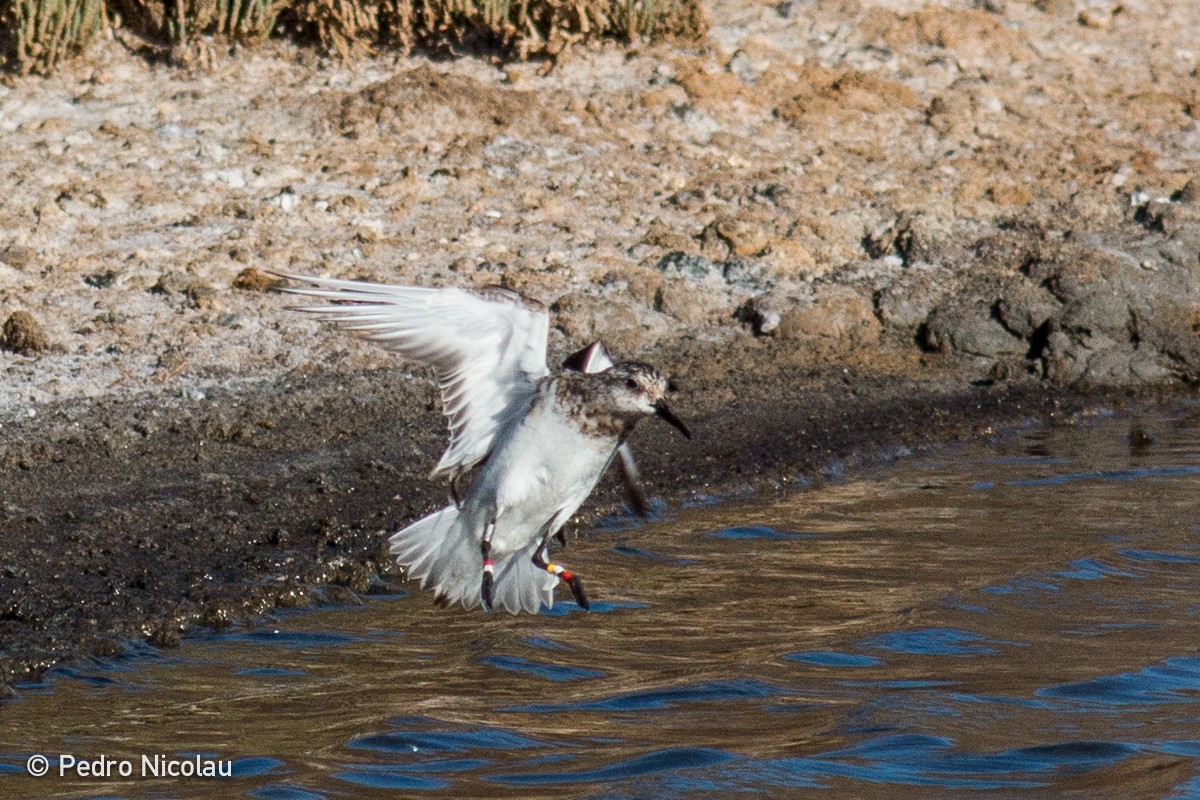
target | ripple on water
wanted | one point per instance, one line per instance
(1176, 680)
(825, 658)
(255, 767)
(423, 738)
(289, 638)
(650, 555)
(935, 761)
(564, 607)
(378, 777)
(550, 672)
(442, 741)
(544, 643)
(1157, 556)
(284, 791)
(757, 532)
(933, 641)
(668, 697)
(1090, 569)
(674, 760)
(1109, 475)
(270, 672)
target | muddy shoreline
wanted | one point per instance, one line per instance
(137, 520)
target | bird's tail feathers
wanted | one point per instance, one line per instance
(443, 557)
(521, 585)
(440, 553)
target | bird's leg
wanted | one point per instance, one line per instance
(561, 538)
(488, 589)
(454, 495)
(560, 572)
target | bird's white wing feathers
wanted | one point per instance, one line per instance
(487, 346)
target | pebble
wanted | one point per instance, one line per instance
(23, 335)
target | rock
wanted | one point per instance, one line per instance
(838, 315)
(203, 296)
(692, 305)
(585, 318)
(749, 274)
(171, 283)
(1190, 193)
(789, 258)
(761, 314)
(678, 264)
(1183, 248)
(22, 334)
(253, 280)
(970, 330)
(1103, 311)
(661, 234)
(906, 302)
(642, 283)
(1173, 218)
(18, 256)
(745, 237)
(1023, 308)
(1058, 8)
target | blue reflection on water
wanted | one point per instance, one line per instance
(830, 659)
(667, 760)
(924, 760)
(932, 641)
(638, 552)
(667, 697)
(552, 672)
(1176, 680)
(432, 739)
(757, 532)
(284, 791)
(1109, 475)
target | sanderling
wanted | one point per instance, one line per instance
(528, 445)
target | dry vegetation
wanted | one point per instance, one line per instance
(35, 35)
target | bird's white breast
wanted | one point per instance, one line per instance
(541, 471)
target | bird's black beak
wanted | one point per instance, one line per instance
(661, 411)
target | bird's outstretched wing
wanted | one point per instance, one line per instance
(594, 358)
(488, 347)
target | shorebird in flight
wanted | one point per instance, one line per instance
(527, 446)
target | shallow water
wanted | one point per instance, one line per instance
(1015, 621)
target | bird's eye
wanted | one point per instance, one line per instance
(631, 383)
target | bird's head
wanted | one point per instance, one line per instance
(636, 390)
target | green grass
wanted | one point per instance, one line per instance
(35, 35)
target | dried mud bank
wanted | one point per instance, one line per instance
(848, 227)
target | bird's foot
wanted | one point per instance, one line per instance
(577, 590)
(488, 589)
(570, 578)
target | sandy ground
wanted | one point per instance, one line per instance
(831, 216)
